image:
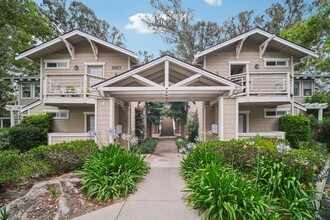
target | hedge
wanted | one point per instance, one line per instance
(147, 146)
(31, 133)
(296, 128)
(16, 167)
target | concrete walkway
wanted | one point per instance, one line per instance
(158, 197)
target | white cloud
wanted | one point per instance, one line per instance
(213, 2)
(136, 23)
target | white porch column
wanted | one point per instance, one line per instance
(320, 114)
(112, 117)
(129, 129)
(12, 118)
(204, 122)
(220, 119)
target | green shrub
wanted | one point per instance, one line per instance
(16, 167)
(225, 194)
(42, 121)
(112, 173)
(4, 138)
(294, 198)
(192, 128)
(324, 135)
(65, 156)
(25, 138)
(296, 128)
(198, 159)
(147, 146)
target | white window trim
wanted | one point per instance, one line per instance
(302, 88)
(87, 64)
(85, 119)
(31, 91)
(276, 59)
(247, 113)
(238, 62)
(60, 110)
(57, 61)
(299, 89)
(275, 110)
(34, 89)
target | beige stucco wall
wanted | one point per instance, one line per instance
(84, 53)
(230, 118)
(217, 61)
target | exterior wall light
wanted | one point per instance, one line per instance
(256, 66)
(76, 67)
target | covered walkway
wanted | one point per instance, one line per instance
(159, 196)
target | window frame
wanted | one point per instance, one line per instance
(302, 88)
(59, 111)
(238, 62)
(57, 61)
(276, 110)
(299, 88)
(34, 90)
(31, 90)
(286, 60)
(91, 64)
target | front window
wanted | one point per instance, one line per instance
(307, 88)
(36, 90)
(57, 64)
(95, 70)
(275, 113)
(276, 62)
(59, 114)
(26, 90)
(296, 88)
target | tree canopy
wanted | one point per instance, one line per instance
(78, 16)
(178, 28)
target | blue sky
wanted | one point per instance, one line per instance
(119, 13)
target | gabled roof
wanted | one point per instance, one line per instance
(159, 60)
(301, 51)
(31, 105)
(44, 46)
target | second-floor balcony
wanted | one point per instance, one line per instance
(266, 86)
(70, 88)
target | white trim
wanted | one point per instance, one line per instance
(302, 88)
(204, 66)
(170, 59)
(167, 74)
(221, 117)
(264, 45)
(70, 34)
(59, 111)
(286, 60)
(187, 81)
(254, 31)
(265, 134)
(28, 107)
(299, 106)
(85, 119)
(94, 63)
(57, 61)
(238, 62)
(287, 110)
(31, 90)
(112, 116)
(69, 47)
(146, 81)
(96, 117)
(239, 46)
(247, 113)
(236, 122)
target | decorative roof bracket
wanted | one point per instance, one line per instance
(239, 46)
(263, 46)
(95, 48)
(69, 46)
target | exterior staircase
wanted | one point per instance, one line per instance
(167, 127)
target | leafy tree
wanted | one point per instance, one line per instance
(79, 16)
(21, 26)
(176, 25)
(178, 112)
(313, 33)
(154, 112)
(145, 56)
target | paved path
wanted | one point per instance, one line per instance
(158, 196)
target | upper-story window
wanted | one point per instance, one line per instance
(57, 64)
(26, 91)
(274, 112)
(36, 93)
(296, 88)
(307, 88)
(95, 70)
(276, 62)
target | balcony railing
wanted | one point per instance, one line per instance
(263, 83)
(70, 85)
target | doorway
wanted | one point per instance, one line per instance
(243, 122)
